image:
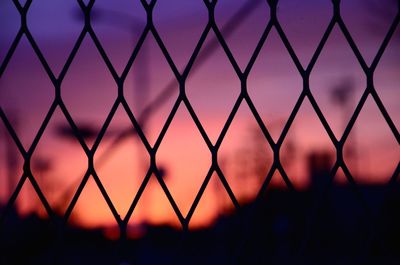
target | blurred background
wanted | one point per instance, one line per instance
(59, 163)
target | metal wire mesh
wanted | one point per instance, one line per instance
(182, 99)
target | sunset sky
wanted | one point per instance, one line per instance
(274, 84)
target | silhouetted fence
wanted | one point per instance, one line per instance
(182, 99)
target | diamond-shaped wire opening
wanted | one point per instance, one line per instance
(337, 81)
(208, 90)
(176, 159)
(370, 135)
(121, 161)
(245, 156)
(151, 88)
(272, 80)
(296, 155)
(89, 77)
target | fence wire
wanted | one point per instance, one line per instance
(182, 99)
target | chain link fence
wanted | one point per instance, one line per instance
(181, 77)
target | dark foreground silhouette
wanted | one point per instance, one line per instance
(341, 225)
